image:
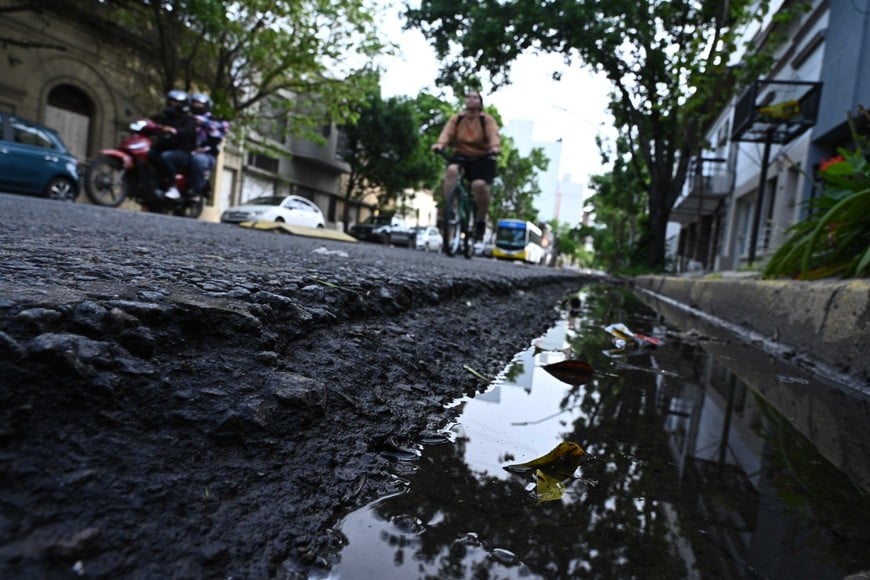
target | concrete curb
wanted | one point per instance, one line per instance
(828, 321)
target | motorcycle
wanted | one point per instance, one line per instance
(125, 172)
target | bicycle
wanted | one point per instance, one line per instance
(460, 212)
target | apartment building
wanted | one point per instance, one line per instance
(752, 181)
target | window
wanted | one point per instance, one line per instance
(261, 161)
(30, 135)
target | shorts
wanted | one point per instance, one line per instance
(477, 167)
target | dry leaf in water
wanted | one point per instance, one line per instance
(573, 372)
(560, 463)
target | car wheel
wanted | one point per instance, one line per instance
(61, 189)
(279, 220)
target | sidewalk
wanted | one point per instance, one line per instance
(827, 321)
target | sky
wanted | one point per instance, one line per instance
(572, 109)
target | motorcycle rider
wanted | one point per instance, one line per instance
(210, 133)
(171, 153)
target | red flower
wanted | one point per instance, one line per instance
(832, 161)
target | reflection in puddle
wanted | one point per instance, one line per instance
(692, 474)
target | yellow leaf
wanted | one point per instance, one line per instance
(548, 488)
(619, 330)
(560, 463)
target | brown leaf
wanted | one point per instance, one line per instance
(573, 372)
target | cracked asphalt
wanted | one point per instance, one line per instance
(195, 400)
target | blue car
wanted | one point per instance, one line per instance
(34, 160)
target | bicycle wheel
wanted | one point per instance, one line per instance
(470, 215)
(452, 227)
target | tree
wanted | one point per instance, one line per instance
(668, 63)
(619, 208)
(385, 150)
(243, 53)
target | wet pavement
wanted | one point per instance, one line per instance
(706, 457)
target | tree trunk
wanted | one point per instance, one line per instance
(659, 214)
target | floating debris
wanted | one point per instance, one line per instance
(623, 337)
(552, 470)
(562, 461)
(572, 372)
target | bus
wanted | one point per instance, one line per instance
(518, 240)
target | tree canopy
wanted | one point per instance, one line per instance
(386, 150)
(668, 63)
(244, 53)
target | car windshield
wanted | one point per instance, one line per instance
(266, 200)
(380, 220)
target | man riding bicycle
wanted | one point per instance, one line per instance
(474, 139)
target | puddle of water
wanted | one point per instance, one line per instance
(690, 472)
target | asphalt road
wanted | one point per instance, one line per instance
(182, 399)
(73, 249)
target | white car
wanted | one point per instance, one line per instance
(289, 209)
(429, 239)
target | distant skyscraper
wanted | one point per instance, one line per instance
(559, 197)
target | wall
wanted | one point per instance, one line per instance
(100, 74)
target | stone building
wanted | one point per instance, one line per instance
(77, 79)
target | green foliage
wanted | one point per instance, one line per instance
(619, 206)
(385, 150)
(834, 238)
(667, 61)
(432, 114)
(571, 244)
(248, 52)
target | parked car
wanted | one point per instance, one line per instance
(429, 239)
(402, 236)
(34, 160)
(483, 249)
(289, 209)
(384, 229)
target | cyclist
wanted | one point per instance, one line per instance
(474, 136)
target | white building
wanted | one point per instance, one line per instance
(751, 183)
(560, 197)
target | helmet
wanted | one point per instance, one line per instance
(177, 102)
(200, 103)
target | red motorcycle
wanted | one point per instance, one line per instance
(125, 172)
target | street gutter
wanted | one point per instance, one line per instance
(823, 323)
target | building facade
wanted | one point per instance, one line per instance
(743, 195)
(66, 75)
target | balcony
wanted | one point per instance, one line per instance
(703, 195)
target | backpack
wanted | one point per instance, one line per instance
(482, 126)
